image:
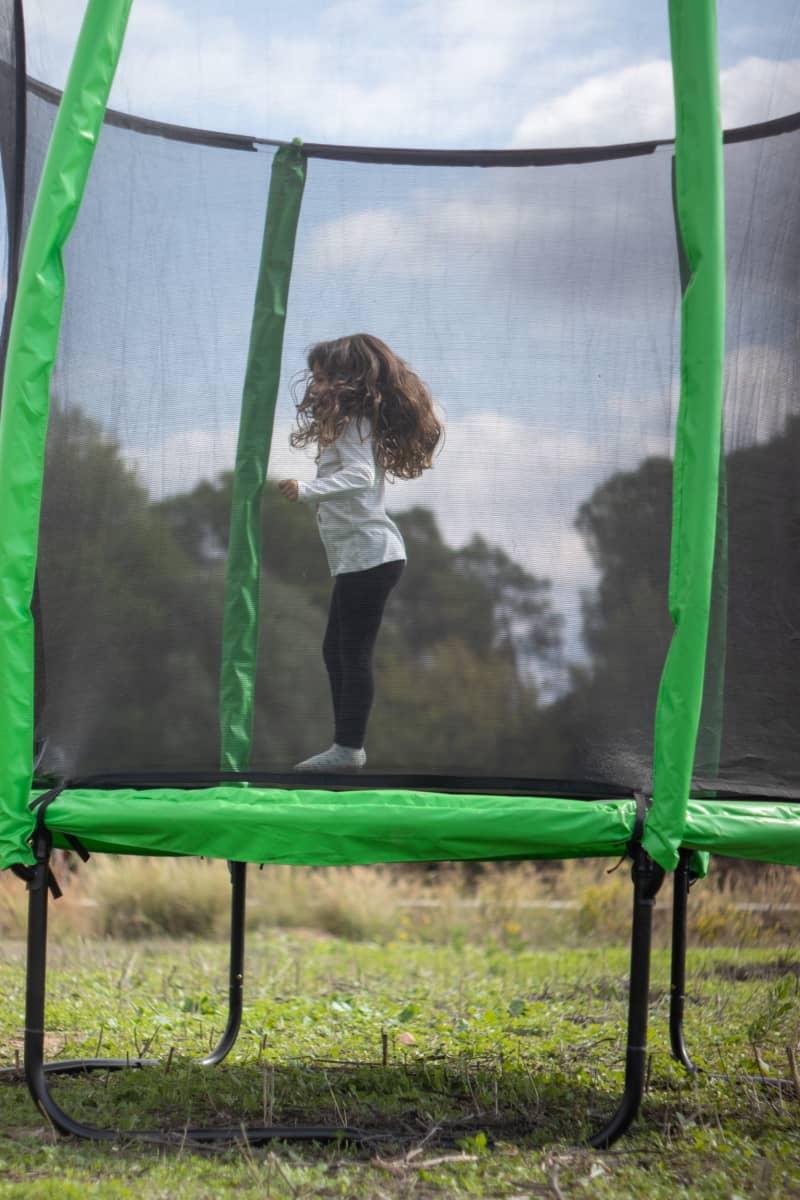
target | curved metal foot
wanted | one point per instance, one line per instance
(623, 1117)
(254, 1135)
(647, 879)
(238, 873)
(677, 994)
(82, 1066)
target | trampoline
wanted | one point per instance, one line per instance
(603, 664)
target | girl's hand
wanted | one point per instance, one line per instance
(288, 488)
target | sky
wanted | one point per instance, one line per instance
(427, 72)
(540, 305)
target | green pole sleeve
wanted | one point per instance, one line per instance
(709, 741)
(32, 349)
(712, 716)
(243, 571)
(700, 207)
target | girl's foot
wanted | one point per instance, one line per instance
(338, 758)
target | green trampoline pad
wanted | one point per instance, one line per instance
(332, 828)
(345, 828)
(762, 830)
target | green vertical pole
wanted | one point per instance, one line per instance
(700, 208)
(32, 349)
(709, 740)
(243, 573)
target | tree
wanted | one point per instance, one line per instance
(128, 620)
(524, 625)
(751, 717)
(609, 713)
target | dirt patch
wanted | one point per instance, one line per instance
(756, 970)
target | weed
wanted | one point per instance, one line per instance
(142, 897)
(512, 906)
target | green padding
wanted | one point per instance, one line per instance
(26, 397)
(766, 831)
(243, 574)
(699, 200)
(251, 824)
(269, 825)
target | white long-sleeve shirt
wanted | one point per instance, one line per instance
(349, 493)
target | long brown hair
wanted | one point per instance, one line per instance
(359, 377)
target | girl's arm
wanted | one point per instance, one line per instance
(356, 474)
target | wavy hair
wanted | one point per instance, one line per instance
(359, 377)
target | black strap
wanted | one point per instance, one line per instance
(43, 802)
(78, 847)
(41, 835)
(30, 877)
(643, 803)
(40, 806)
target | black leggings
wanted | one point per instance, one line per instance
(357, 604)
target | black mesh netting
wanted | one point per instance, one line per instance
(12, 156)
(750, 733)
(541, 306)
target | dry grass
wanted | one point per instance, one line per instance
(514, 905)
(143, 897)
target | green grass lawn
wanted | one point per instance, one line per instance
(499, 1061)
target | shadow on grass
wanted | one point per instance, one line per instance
(446, 1103)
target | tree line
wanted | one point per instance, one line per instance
(132, 596)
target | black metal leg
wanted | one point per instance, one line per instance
(238, 873)
(647, 879)
(35, 996)
(677, 993)
(35, 1068)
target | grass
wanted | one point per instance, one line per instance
(479, 1063)
(543, 905)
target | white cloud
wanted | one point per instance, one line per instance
(632, 104)
(179, 461)
(433, 235)
(182, 460)
(763, 381)
(509, 20)
(418, 239)
(635, 103)
(366, 237)
(759, 89)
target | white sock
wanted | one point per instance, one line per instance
(337, 758)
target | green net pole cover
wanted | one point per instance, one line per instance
(32, 349)
(699, 200)
(243, 572)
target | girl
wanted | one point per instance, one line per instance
(369, 416)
